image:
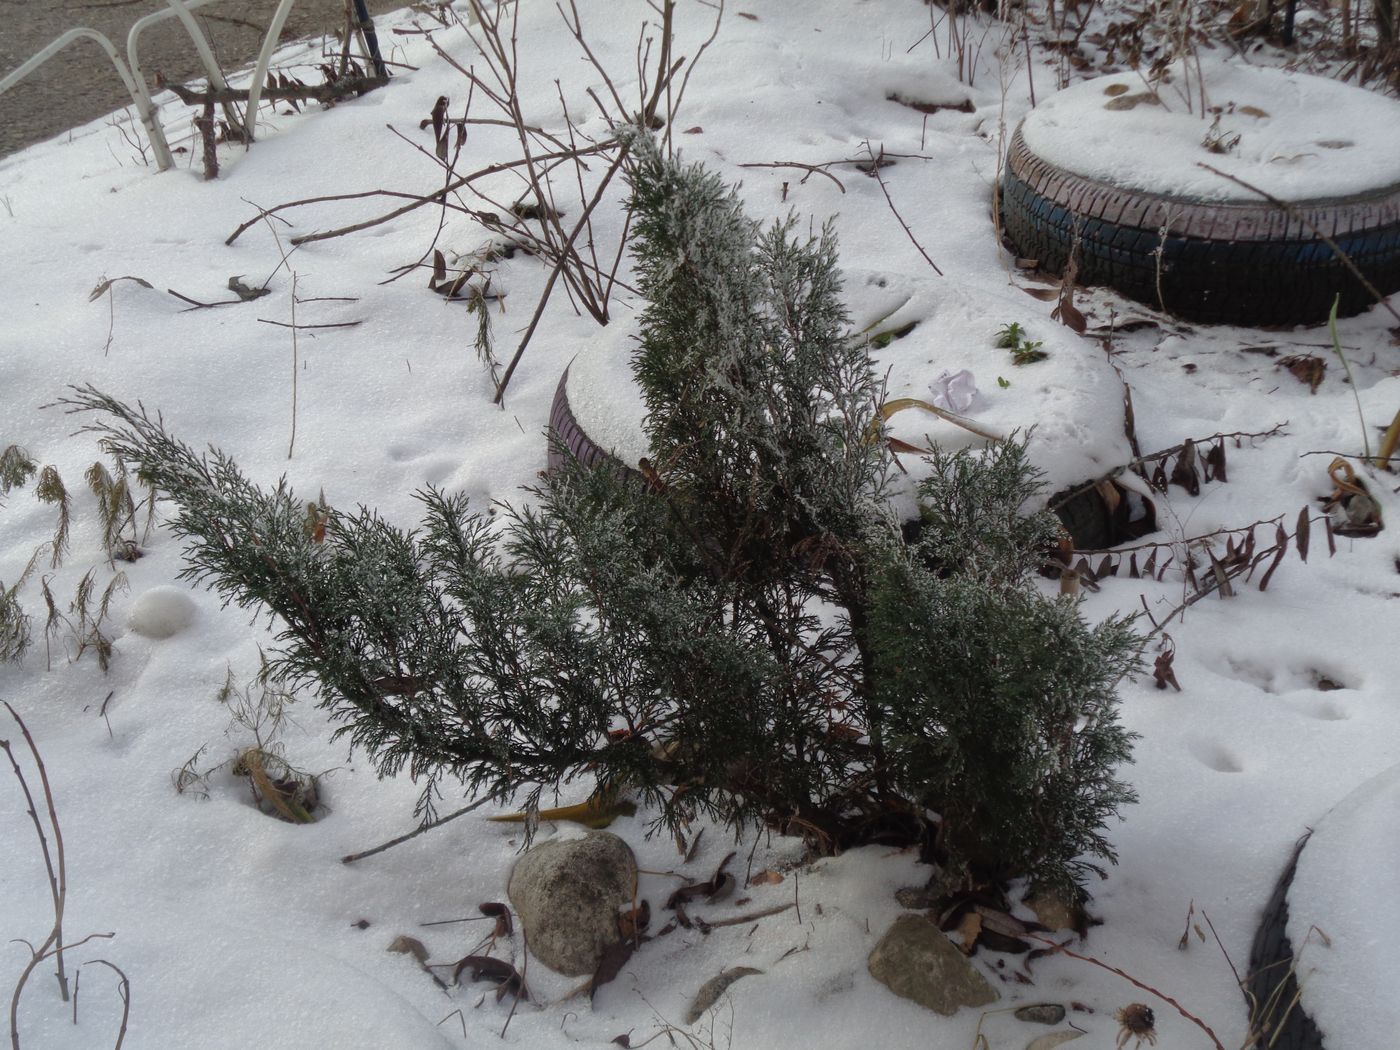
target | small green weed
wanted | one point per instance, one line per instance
(1023, 351)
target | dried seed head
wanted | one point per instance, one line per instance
(1136, 1021)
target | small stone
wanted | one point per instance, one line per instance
(1041, 1013)
(567, 895)
(916, 961)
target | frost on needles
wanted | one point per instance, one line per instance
(736, 629)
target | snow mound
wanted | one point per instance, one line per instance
(1295, 136)
(1345, 879)
(162, 612)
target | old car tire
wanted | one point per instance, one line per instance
(568, 438)
(1235, 262)
(1272, 985)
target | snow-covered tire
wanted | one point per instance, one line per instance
(1234, 262)
(568, 438)
(1087, 518)
(1272, 985)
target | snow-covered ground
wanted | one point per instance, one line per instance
(239, 930)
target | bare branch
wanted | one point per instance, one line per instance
(417, 200)
(811, 169)
(553, 276)
(350, 858)
(338, 89)
(875, 171)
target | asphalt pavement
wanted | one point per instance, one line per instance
(80, 84)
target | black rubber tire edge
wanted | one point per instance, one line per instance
(1270, 268)
(1271, 976)
(567, 437)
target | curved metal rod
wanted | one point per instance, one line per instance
(134, 87)
(177, 9)
(274, 31)
(206, 55)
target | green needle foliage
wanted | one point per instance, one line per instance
(734, 628)
(1001, 700)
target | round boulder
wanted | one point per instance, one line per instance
(567, 895)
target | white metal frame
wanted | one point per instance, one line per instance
(135, 82)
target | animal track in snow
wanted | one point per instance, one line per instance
(1214, 756)
(438, 469)
(1283, 678)
(1323, 710)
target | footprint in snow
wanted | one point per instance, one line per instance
(1215, 756)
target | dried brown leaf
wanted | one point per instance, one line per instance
(633, 922)
(1215, 463)
(998, 921)
(715, 987)
(247, 293)
(1302, 533)
(694, 846)
(1185, 473)
(1280, 549)
(1162, 670)
(610, 965)
(102, 287)
(896, 445)
(405, 945)
(501, 913)
(439, 119)
(994, 941)
(1306, 369)
(1222, 578)
(967, 931)
(498, 971)
(1068, 314)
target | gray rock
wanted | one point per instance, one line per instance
(916, 961)
(567, 895)
(1041, 1013)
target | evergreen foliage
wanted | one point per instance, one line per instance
(738, 630)
(1001, 700)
